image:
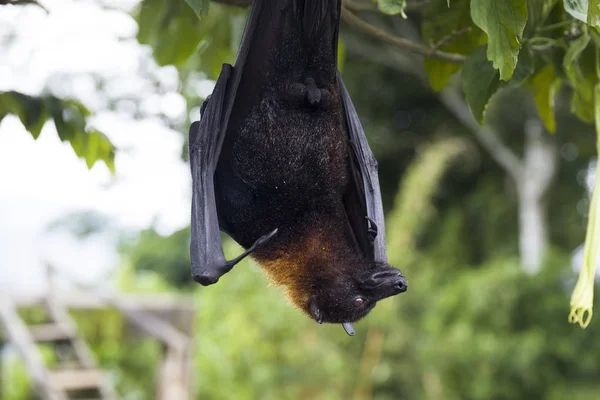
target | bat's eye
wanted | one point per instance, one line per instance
(358, 302)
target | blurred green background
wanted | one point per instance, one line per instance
(485, 316)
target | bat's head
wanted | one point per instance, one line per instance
(330, 280)
(350, 295)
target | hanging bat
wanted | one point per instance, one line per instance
(281, 164)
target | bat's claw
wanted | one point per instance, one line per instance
(264, 239)
(372, 230)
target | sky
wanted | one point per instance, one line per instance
(41, 181)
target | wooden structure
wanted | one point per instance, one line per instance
(168, 319)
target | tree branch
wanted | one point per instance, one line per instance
(358, 6)
(239, 3)
(488, 139)
(447, 39)
(406, 44)
(351, 4)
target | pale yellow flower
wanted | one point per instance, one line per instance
(583, 296)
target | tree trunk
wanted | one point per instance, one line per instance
(533, 233)
(539, 166)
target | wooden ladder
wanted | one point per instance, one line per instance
(80, 380)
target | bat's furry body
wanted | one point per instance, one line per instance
(288, 162)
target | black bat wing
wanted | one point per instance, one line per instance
(363, 199)
(210, 141)
(206, 140)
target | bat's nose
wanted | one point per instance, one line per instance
(401, 284)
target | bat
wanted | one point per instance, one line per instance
(281, 164)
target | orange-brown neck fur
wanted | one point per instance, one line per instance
(299, 265)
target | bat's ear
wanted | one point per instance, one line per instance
(314, 310)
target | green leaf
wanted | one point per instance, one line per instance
(524, 69)
(170, 29)
(537, 13)
(544, 87)
(392, 7)
(99, 148)
(575, 49)
(150, 16)
(200, 7)
(178, 37)
(70, 120)
(30, 110)
(581, 77)
(480, 82)
(577, 8)
(178, 42)
(440, 22)
(504, 22)
(593, 18)
(584, 10)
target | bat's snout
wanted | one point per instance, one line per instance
(386, 283)
(391, 278)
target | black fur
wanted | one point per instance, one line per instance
(290, 159)
(293, 178)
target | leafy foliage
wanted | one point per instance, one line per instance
(544, 87)
(580, 73)
(148, 253)
(200, 7)
(523, 38)
(503, 21)
(584, 10)
(177, 37)
(480, 82)
(524, 48)
(593, 14)
(70, 119)
(441, 21)
(392, 7)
